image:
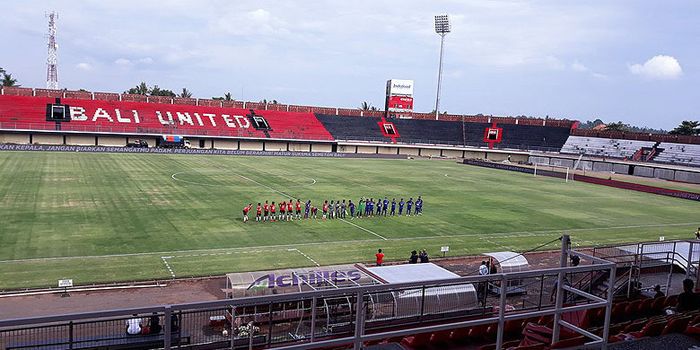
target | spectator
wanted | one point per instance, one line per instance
(413, 259)
(658, 293)
(423, 256)
(483, 268)
(553, 295)
(697, 233)
(380, 257)
(688, 300)
(175, 323)
(133, 325)
(154, 324)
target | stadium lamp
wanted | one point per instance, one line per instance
(442, 27)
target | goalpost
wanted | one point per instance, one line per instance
(569, 175)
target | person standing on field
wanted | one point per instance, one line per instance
(283, 209)
(266, 209)
(258, 213)
(343, 209)
(351, 206)
(393, 206)
(401, 204)
(380, 257)
(272, 211)
(360, 207)
(298, 207)
(245, 212)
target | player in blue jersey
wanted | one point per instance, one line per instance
(409, 205)
(393, 206)
(401, 204)
(419, 206)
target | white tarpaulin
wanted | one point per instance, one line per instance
(509, 261)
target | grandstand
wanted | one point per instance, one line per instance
(680, 154)
(603, 147)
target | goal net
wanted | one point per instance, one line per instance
(551, 170)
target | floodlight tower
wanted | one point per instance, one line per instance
(52, 59)
(442, 27)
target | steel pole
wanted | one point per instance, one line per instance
(560, 288)
(439, 84)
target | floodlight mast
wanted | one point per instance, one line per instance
(442, 27)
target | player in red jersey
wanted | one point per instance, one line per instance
(283, 209)
(325, 209)
(298, 207)
(266, 209)
(290, 211)
(272, 211)
(258, 213)
(245, 212)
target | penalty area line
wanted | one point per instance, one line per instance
(167, 265)
(364, 229)
(304, 254)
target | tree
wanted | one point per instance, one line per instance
(157, 91)
(226, 97)
(617, 126)
(141, 89)
(7, 80)
(687, 127)
(2, 71)
(366, 106)
(185, 93)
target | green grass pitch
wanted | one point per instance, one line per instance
(125, 217)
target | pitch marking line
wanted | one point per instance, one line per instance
(306, 256)
(364, 229)
(167, 266)
(514, 234)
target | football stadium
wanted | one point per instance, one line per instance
(142, 221)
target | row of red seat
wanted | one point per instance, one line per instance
(23, 112)
(629, 320)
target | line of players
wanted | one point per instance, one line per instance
(366, 207)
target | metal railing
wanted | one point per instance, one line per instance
(303, 320)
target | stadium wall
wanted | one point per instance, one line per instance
(649, 170)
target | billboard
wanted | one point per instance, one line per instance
(399, 87)
(399, 98)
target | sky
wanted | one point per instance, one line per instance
(623, 60)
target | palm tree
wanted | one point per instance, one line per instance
(2, 71)
(8, 81)
(227, 97)
(141, 89)
(366, 106)
(687, 127)
(185, 93)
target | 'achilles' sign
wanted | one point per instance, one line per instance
(313, 278)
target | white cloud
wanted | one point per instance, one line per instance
(579, 67)
(660, 67)
(123, 62)
(582, 68)
(84, 66)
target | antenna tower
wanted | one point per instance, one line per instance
(52, 59)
